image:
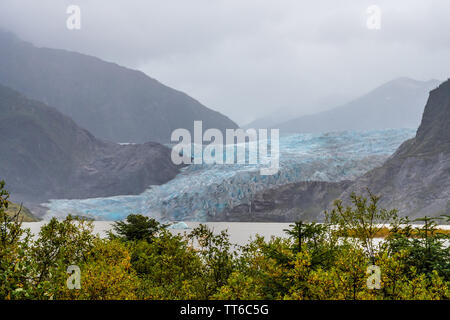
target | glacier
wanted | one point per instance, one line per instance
(202, 190)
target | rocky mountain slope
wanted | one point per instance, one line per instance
(25, 214)
(112, 102)
(45, 155)
(396, 104)
(416, 179)
(291, 202)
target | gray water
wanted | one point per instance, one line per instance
(240, 232)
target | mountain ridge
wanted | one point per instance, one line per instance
(394, 104)
(113, 102)
(46, 155)
(415, 179)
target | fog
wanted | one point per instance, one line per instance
(251, 58)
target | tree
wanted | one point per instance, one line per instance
(361, 222)
(218, 261)
(316, 239)
(137, 227)
(165, 266)
(106, 274)
(425, 247)
(240, 287)
(59, 245)
(15, 266)
(10, 227)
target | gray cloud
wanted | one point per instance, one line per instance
(253, 57)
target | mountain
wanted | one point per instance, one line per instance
(416, 179)
(112, 102)
(396, 104)
(268, 121)
(304, 200)
(283, 115)
(25, 214)
(45, 155)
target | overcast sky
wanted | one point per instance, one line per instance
(247, 58)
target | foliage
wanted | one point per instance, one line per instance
(318, 239)
(424, 247)
(362, 222)
(136, 227)
(165, 266)
(217, 259)
(106, 274)
(14, 244)
(143, 260)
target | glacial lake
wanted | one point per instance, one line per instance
(240, 232)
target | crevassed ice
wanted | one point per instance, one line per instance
(202, 190)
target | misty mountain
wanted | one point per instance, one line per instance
(112, 102)
(45, 155)
(283, 115)
(396, 104)
(268, 121)
(416, 179)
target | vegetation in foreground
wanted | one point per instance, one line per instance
(24, 213)
(12, 209)
(141, 259)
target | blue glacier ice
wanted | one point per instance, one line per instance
(202, 190)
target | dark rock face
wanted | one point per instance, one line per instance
(416, 179)
(45, 155)
(287, 203)
(121, 169)
(112, 102)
